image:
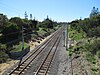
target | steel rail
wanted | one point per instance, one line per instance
(46, 42)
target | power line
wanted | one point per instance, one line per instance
(9, 34)
(16, 32)
(24, 35)
(18, 39)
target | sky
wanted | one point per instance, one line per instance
(57, 10)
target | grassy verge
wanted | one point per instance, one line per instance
(17, 48)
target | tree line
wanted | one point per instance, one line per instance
(91, 25)
(11, 32)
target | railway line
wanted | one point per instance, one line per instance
(44, 67)
(52, 42)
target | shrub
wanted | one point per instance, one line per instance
(94, 69)
(98, 54)
(3, 57)
(70, 54)
(90, 57)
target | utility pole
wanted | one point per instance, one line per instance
(22, 45)
(67, 36)
(72, 65)
(22, 38)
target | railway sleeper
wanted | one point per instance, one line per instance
(48, 60)
(43, 68)
(13, 74)
(23, 72)
(48, 71)
(46, 64)
(42, 71)
(28, 67)
(21, 67)
(50, 56)
(25, 69)
(16, 72)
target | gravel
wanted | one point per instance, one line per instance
(38, 61)
(61, 63)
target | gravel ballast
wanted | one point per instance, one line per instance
(61, 63)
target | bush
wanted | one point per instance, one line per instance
(90, 58)
(71, 51)
(45, 29)
(3, 57)
(2, 47)
(94, 69)
(98, 54)
(70, 54)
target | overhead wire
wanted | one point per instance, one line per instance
(25, 35)
(18, 39)
(16, 32)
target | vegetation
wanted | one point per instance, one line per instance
(11, 33)
(3, 55)
(87, 35)
(18, 47)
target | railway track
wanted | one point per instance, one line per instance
(25, 64)
(45, 65)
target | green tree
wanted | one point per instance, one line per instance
(94, 11)
(17, 21)
(34, 24)
(3, 21)
(47, 24)
(10, 32)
